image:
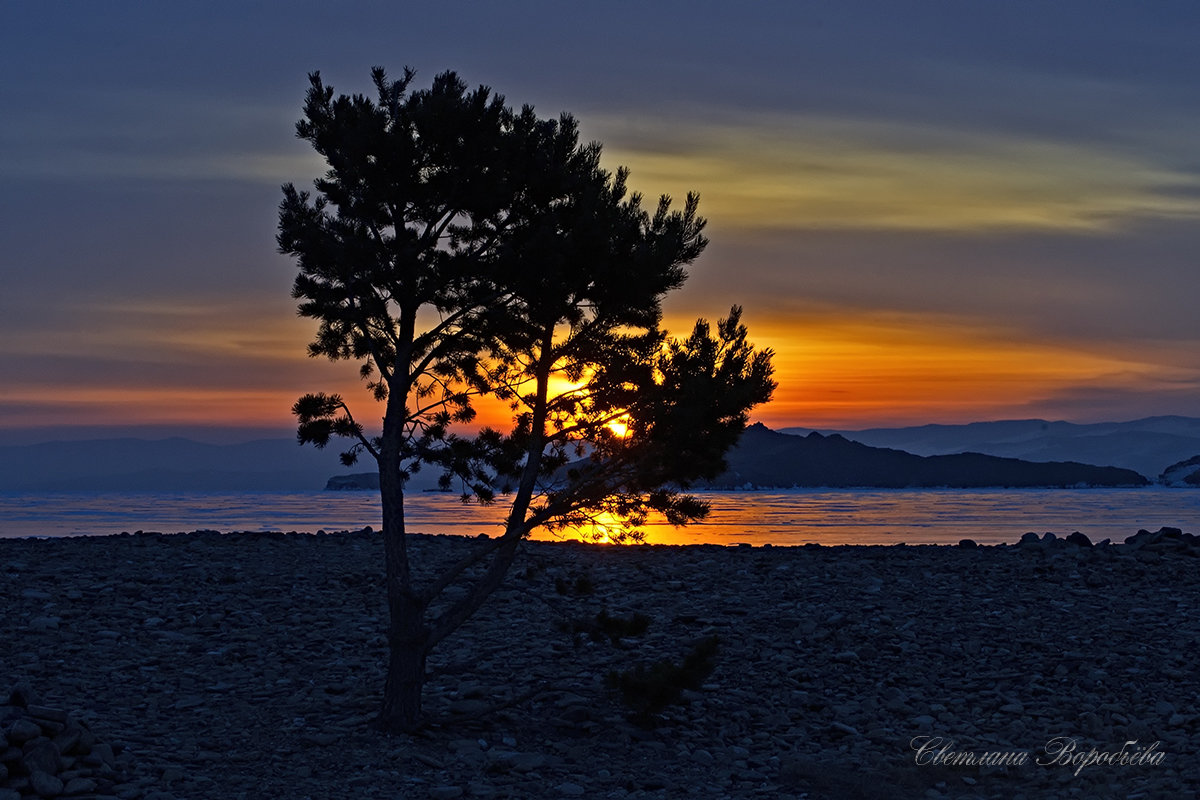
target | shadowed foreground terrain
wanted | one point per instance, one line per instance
(247, 666)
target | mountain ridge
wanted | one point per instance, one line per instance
(764, 458)
(179, 463)
(1147, 445)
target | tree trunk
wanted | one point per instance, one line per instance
(408, 647)
(408, 635)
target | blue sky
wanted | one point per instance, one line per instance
(934, 211)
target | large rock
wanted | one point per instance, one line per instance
(1164, 541)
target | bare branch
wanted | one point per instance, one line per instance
(448, 577)
(363, 440)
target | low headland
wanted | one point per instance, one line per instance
(248, 665)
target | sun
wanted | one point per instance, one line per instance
(619, 428)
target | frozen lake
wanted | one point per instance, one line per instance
(799, 516)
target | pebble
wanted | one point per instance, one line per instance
(45, 784)
(79, 786)
(22, 730)
(249, 665)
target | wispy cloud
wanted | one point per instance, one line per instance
(810, 172)
(169, 361)
(153, 135)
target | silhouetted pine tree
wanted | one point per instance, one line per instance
(457, 248)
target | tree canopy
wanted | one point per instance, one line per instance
(458, 248)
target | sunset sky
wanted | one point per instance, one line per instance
(933, 211)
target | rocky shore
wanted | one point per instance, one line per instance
(248, 665)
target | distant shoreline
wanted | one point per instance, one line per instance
(1148, 448)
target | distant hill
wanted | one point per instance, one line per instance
(769, 459)
(764, 458)
(1185, 473)
(358, 482)
(1147, 446)
(174, 464)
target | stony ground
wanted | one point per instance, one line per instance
(248, 666)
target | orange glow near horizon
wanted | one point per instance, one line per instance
(835, 370)
(156, 406)
(892, 370)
